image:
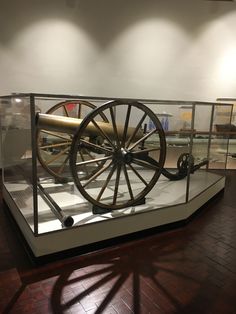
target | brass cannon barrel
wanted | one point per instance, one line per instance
(68, 125)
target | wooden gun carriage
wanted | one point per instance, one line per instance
(112, 156)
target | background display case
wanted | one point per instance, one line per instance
(79, 170)
(231, 160)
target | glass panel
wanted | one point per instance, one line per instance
(176, 122)
(210, 145)
(222, 129)
(231, 160)
(17, 153)
(200, 179)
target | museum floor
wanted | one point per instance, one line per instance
(189, 270)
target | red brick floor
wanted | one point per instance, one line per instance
(187, 270)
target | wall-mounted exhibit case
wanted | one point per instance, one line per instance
(79, 170)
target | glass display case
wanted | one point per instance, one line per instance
(231, 128)
(79, 170)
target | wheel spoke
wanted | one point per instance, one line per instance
(118, 170)
(136, 130)
(90, 155)
(114, 127)
(106, 183)
(103, 133)
(66, 111)
(128, 182)
(57, 156)
(60, 170)
(55, 135)
(79, 111)
(55, 145)
(95, 146)
(83, 159)
(137, 174)
(142, 139)
(87, 162)
(97, 174)
(126, 125)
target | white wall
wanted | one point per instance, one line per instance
(128, 48)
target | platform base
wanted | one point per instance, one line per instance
(119, 223)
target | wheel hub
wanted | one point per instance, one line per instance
(122, 156)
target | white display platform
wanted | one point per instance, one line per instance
(164, 204)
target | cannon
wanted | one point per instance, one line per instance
(109, 152)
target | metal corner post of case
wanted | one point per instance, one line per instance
(34, 163)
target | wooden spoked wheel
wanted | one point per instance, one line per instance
(53, 147)
(128, 172)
